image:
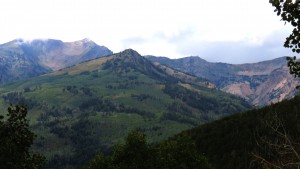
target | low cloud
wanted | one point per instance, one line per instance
(189, 43)
(245, 51)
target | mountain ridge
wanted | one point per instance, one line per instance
(94, 104)
(261, 83)
(23, 59)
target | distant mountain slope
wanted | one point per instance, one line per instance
(260, 83)
(85, 108)
(233, 141)
(21, 59)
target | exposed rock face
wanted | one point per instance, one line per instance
(60, 55)
(21, 59)
(260, 83)
(279, 86)
(264, 84)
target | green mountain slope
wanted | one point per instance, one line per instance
(233, 142)
(86, 108)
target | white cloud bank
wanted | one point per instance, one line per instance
(239, 29)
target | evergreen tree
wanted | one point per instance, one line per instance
(137, 154)
(15, 141)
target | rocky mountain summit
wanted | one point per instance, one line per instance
(21, 59)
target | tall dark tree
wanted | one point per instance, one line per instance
(136, 154)
(15, 141)
(289, 10)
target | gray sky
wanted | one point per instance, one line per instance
(232, 31)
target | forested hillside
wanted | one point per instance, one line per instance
(87, 108)
(251, 139)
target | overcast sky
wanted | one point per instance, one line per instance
(232, 31)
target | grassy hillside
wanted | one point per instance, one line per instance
(236, 141)
(87, 108)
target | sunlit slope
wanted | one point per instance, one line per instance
(95, 103)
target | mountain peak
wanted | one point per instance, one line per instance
(130, 52)
(22, 58)
(86, 41)
(130, 55)
(15, 42)
(83, 43)
(193, 59)
(130, 60)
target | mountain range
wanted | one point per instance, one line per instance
(81, 109)
(259, 83)
(82, 98)
(21, 59)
